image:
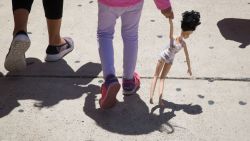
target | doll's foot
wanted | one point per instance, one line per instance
(151, 101)
(161, 103)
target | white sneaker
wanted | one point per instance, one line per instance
(56, 53)
(15, 59)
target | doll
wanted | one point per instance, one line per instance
(190, 20)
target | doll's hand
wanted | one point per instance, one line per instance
(151, 101)
(190, 72)
(168, 13)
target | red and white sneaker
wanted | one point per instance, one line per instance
(131, 86)
(109, 90)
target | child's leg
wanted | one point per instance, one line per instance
(130, 22)
(105, 32)
(158, 70)
(164, 72)
(106, 22)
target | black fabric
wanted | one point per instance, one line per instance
(22, 4)
(52, 50)
(53, 8)
(55, 49)
(110, 79)
(21, 32)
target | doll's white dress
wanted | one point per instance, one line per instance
(168, 54)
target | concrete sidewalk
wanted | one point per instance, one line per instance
(59, 101)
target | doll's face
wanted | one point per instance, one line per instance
(186, 34)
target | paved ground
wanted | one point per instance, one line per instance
(59, 101)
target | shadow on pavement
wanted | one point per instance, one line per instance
(132, 116)
(187, 108)
(44, 88)
(235, 29)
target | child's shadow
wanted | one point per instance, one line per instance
(132, 117)
(45, 83)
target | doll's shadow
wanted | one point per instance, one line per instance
(129, 117)
(235, 29)
(45, 83)
(187, 108)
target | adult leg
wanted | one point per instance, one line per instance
(53, 13)
(58, 46)
(15, 59)
(21, 10)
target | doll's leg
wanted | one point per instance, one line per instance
(164, 72)
(158, 70)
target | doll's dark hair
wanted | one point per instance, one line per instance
(190, 20)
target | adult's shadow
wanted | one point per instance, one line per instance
(47, 84)
(130, 117)
(235, 29)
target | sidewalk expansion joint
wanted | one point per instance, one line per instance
(210, 79)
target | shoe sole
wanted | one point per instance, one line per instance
(110, 99)
(15, 59)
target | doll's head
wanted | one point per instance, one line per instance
(190, 20)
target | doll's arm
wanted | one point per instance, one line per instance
(187, 59)
(171, 29)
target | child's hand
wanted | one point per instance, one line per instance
(190, 72)
(168, 13)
